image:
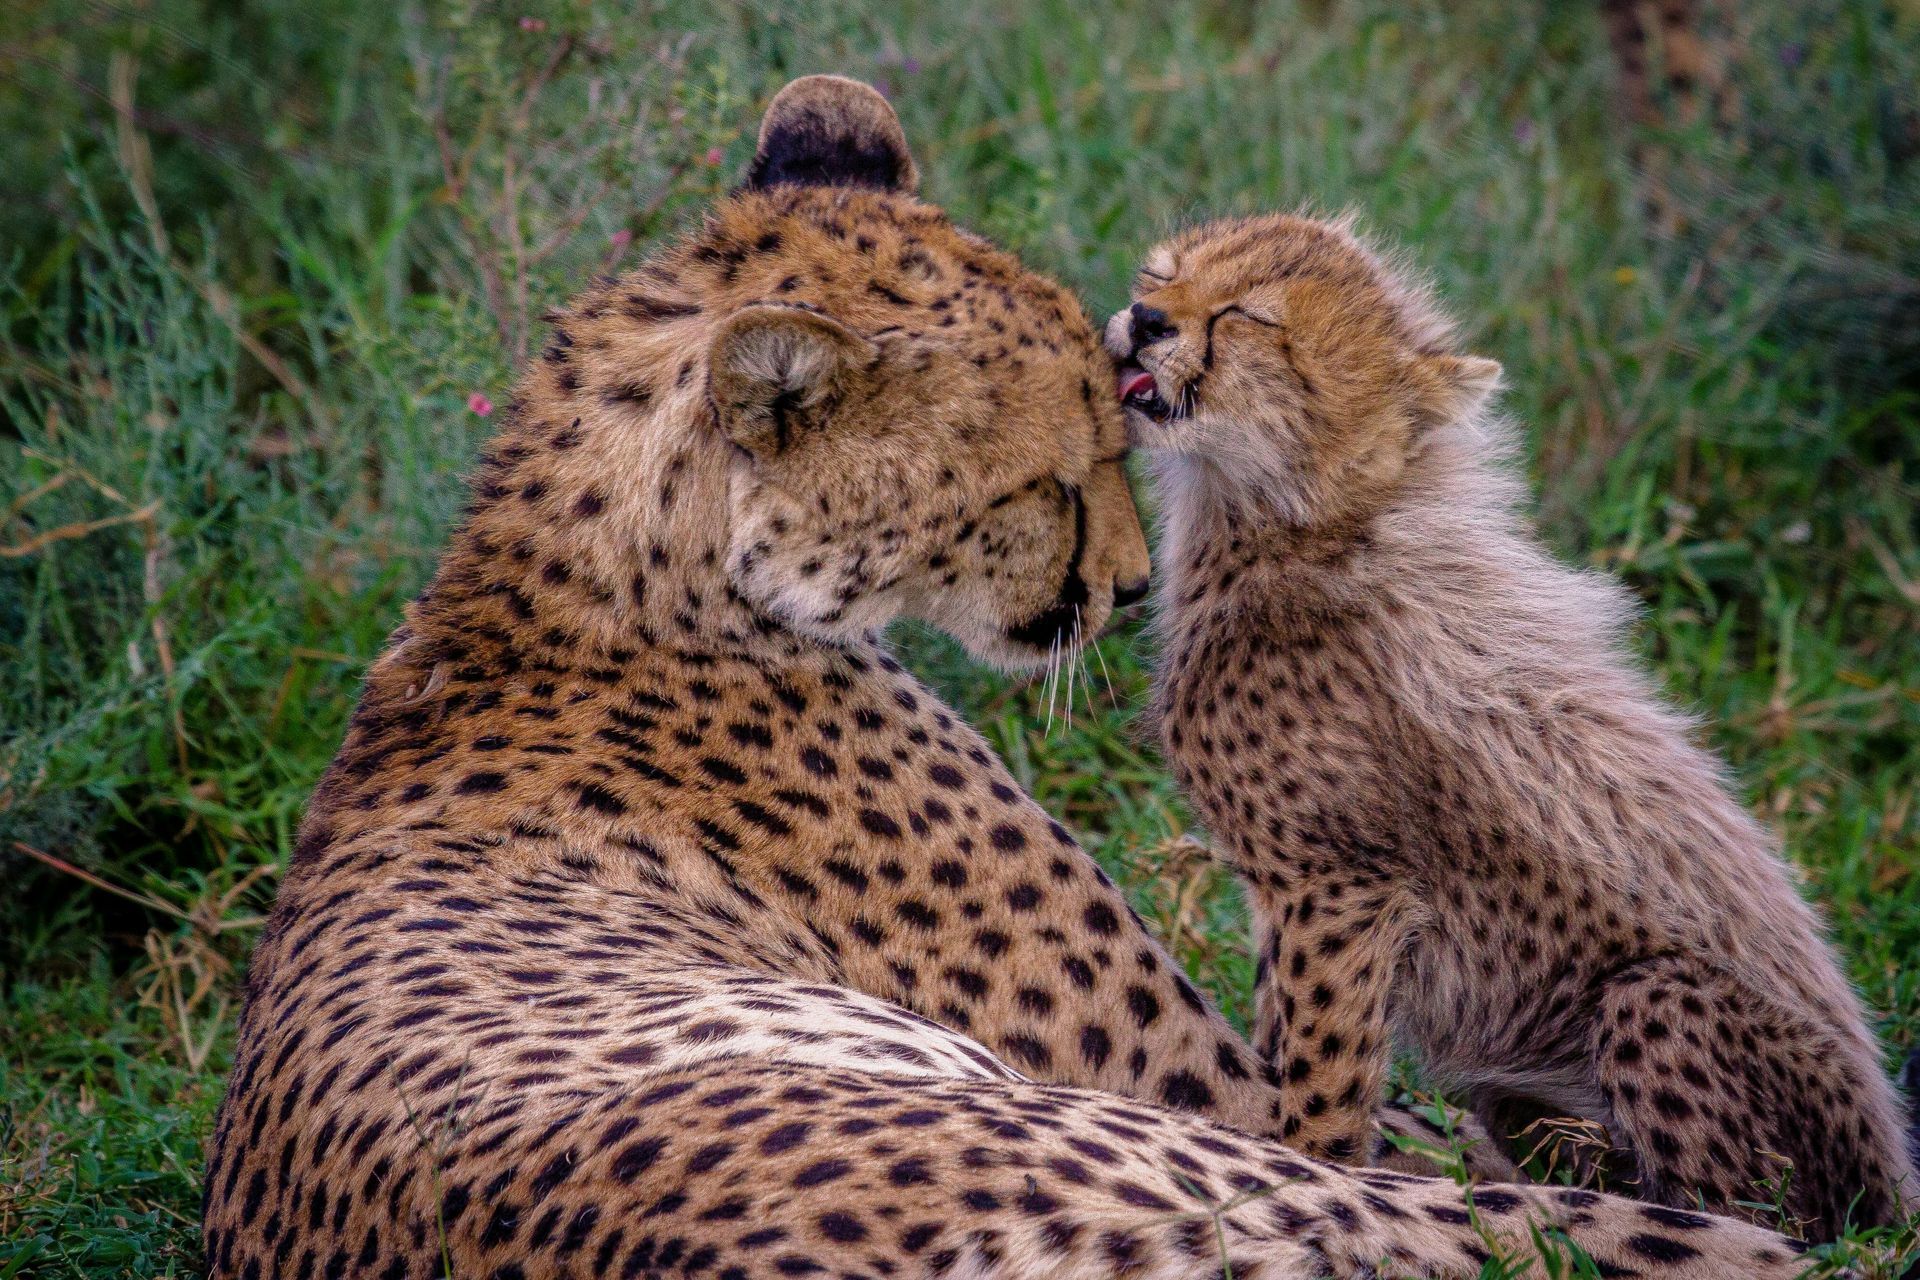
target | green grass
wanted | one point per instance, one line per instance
(253, 263)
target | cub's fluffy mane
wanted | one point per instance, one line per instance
(1472, 616)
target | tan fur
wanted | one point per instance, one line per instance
(1467, 819)
(653, 921)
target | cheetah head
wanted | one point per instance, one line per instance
(1289, 364)
(919, 426)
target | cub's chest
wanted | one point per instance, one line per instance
(1273, 734)
(1232, 683)
(1217, 707)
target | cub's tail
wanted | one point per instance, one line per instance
(1910, 1087)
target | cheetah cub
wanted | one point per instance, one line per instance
(1467, 821)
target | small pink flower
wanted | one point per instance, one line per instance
(714, 156)
(621, 238)
(533, 24)
(1523, 132)
(479, 404)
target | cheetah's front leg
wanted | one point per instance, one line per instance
(1322, 1013)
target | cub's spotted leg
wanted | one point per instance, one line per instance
(1682, 1055)
(1323, 1020)
(1466, 1140)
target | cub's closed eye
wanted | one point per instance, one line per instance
(1244, 314)
(1233, 309)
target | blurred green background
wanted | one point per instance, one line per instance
(262, 261)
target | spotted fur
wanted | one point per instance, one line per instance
(1466, 818)
(652, 921)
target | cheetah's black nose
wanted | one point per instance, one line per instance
(1126, 593)
(1148, 325)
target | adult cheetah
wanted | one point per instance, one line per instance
(653, 921)
(1465, 818)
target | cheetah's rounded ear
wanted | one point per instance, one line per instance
(776, 372)
(1456, 387)
(829, 131)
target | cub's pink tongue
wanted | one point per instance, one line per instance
(1135, 382)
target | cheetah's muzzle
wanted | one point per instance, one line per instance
(1059, 622)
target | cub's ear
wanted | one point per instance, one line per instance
(777, 372)
(1455, 387)
(829, 131)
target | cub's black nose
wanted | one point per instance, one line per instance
(1126, 593)
(1149, 324)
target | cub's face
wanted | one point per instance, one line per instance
(921, 427)
(1284, 358)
